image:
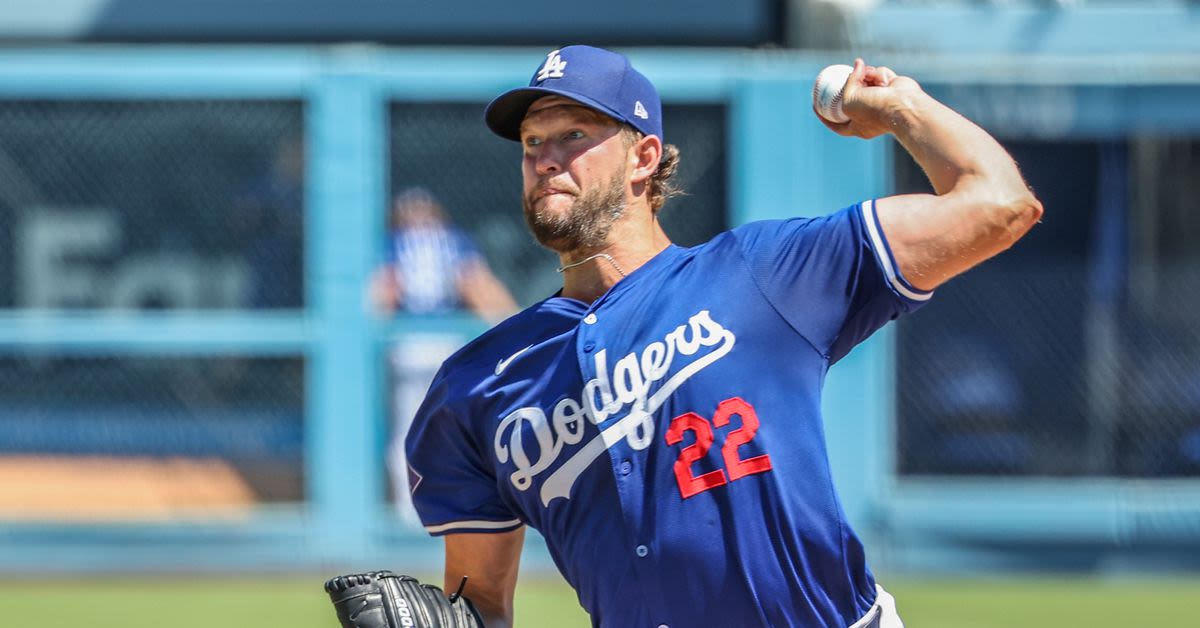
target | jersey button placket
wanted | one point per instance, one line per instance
(586, 346)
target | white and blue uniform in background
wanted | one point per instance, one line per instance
(428, 262)
(666, 440)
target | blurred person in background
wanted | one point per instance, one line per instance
(432, 267)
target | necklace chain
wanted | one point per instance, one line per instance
(592, 257)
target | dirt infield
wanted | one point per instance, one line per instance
(108, 488)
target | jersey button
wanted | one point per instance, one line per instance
(588, 346)
(642, 550)
(626, 467)
(590, 319)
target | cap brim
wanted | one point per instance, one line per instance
(505, 114)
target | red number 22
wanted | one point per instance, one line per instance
(690, 484)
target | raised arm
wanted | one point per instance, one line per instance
(490, 561)
(981, 205)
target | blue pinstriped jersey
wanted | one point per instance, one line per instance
(666, 440)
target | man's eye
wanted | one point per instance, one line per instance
(533, 141)
(574, 135)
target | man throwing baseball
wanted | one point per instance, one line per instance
(658, 420)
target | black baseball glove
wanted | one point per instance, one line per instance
(381, 599)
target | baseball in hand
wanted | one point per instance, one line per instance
(827, 93)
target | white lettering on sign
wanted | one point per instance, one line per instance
(75, 258)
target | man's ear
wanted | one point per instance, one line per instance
(645, 155)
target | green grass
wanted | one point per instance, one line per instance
(1048, 602)
(271, 601)
(236, 602)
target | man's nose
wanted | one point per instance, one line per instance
(548, 161)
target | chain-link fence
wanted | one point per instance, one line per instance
(1076, 352)
(151, 205)
(146, 437)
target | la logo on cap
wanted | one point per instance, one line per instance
(553, 68)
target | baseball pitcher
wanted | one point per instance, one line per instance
(658, 419)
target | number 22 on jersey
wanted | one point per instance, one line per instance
(690, 484)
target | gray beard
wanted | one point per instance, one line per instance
(586, 226)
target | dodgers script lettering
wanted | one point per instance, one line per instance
(626, 387)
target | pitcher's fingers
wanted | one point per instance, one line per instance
(860, 70)
(854, 80)
(878, 77)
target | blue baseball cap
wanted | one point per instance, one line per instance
(600, 79)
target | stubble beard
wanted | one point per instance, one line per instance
(586, 225)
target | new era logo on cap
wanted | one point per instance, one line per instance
(600, 79)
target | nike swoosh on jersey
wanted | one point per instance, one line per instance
(503, 364)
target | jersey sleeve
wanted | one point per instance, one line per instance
(453, 488)
(833, 278)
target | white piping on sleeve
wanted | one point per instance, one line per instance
(885, 257)
(477, 525)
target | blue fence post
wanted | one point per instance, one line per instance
(769, 147)
(859, 392)
(786, 164)
(347, 126)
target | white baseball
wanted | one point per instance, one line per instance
(827, 92)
